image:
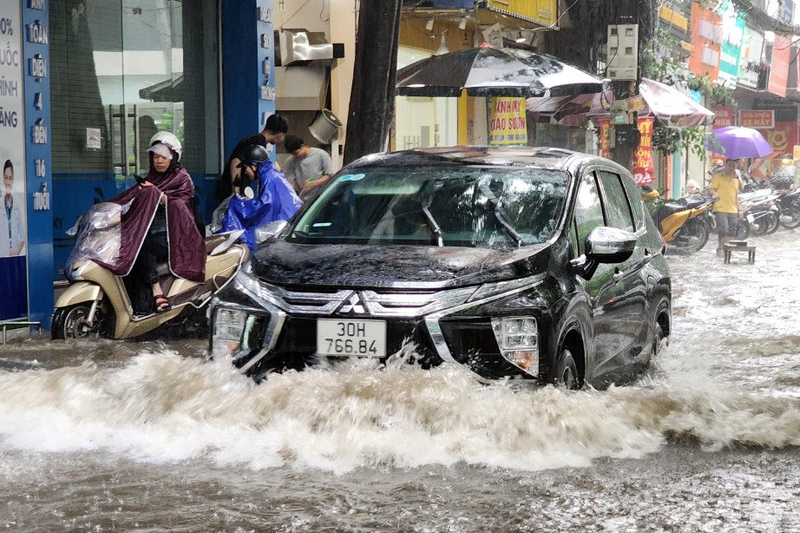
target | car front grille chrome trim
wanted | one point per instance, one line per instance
(366, 302)
(276, 320)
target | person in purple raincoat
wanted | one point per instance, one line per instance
(158, 223)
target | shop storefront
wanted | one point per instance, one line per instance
(87, 84)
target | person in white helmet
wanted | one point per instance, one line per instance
(158, 226)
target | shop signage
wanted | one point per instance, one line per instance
(763, 119)
(36, 4)
(723, 117)
(605, 136)
(507, 123)
(543, 11)
(706, 42)
(13, 214)
(750, 59)
(783, 136)
(732, 37)
(643, 157)
(779, 67)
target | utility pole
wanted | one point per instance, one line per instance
(372, 98)
(626, 135)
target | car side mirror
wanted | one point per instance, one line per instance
(270, 230)
(604, 245)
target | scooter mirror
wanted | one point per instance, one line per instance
(269, 230)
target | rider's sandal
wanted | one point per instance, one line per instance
(162, 303)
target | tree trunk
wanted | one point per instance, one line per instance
(372, 98)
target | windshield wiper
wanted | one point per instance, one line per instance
(498, 214)
(435, 229)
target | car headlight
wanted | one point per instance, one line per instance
(518, 339)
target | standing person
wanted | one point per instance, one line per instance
(274, 131)
(308, 167)
(13, 241)
(724, 188)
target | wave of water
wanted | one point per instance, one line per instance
(731, 376)
(163, 407)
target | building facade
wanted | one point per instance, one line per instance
(84, 84)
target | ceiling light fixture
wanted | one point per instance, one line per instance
(429, 24)
(521, 39)
(442, 47)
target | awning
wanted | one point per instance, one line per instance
(169, 90)
(671, 107)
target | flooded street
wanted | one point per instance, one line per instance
(147, 436)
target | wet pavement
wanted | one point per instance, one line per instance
(146, 436)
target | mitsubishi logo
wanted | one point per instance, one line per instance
(353, 305)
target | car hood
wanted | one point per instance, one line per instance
(418, 267)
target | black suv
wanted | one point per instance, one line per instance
(517, 262)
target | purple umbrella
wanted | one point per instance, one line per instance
(735, 142)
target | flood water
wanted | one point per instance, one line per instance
(143, 436)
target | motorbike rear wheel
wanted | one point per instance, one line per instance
(742, 230)
(764, 224)
(70, 322)
(790, 216)
(695, 236)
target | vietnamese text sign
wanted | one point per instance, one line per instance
(706, 42)
(507, 123)
(763, 119)
(643, 157)
(13, 216)
(605, 132)
(723, 117)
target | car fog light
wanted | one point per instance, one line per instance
(518, 340)
(228, 328)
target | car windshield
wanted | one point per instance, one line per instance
(437, 206)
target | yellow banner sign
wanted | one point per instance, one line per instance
(507, 121)
(544, 11)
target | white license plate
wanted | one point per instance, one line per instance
(362, 338)
(750, 218)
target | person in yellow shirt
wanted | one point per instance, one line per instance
(724, 189)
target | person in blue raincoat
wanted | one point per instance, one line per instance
(275, 199)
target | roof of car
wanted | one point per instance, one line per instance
(540, 157)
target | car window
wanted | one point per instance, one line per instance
(588, 209)
(618, 209)
(635, 197)
(457, 205)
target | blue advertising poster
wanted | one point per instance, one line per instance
(13, 216)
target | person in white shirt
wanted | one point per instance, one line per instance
(308, 168)
(12, 239)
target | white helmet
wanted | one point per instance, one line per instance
(168, 138)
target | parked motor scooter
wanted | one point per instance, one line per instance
(682, 222)
(761, 211)
(97, 301)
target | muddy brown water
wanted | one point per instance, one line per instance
(148, 436)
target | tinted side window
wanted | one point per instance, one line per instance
(617, 205)
(635, 197)
(588, 209)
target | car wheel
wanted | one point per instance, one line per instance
(658, 339)
(567, 372)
